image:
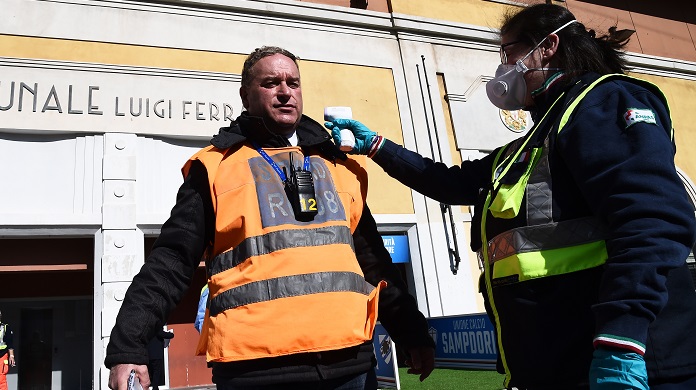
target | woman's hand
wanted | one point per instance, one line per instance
(363, 135)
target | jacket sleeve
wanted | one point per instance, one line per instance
(455, 185)
(166, 274)
(398, 311)
(625, 171)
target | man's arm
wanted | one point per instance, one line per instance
(398, 311)
(165, 276)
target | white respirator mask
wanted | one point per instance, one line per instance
(508, 89)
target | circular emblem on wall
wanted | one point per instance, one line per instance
(517, 121)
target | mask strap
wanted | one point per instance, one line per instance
(524, 67)
(545, 69)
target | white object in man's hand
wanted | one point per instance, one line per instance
(134, 382)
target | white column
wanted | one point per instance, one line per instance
(120, 240)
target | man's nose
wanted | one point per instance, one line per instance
(283, 89)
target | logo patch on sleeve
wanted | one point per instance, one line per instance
(635, 115)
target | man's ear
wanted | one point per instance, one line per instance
(244, 94)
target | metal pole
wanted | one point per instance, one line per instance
(452, 245)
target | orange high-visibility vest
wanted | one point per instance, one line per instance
(279, 286)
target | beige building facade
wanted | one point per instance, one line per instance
(101, 103)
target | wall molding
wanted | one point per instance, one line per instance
(118, 69)
(661, 66)
(329, 19)
(415, 26)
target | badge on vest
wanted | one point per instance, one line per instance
(635, 115)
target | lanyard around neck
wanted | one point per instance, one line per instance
(275, 166)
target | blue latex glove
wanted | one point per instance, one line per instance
(618, 370)
(363, 135)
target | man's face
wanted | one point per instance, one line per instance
(274, 93)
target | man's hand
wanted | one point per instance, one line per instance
(363, 135)
(421, 361)
(118, 376)
(617, 370)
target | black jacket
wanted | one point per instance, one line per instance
(167, 273)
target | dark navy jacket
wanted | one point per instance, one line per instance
(624, 175)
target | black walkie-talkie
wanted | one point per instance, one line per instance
(300, 190)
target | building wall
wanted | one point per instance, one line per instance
(664, 29)
(680, 93)
(99, 158)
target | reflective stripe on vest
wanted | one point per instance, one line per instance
(289, 286)
(282, 239)
(278, 286)
(554, 235)
(544, 250)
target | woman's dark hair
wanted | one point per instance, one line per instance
(579, 51)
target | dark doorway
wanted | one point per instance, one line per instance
(36, 344)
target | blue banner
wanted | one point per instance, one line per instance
(387, 369)
(466, 341)
(397, 246)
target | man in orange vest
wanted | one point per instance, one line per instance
(7, 357)
(297, 271)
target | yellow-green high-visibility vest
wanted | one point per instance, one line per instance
(543, 247)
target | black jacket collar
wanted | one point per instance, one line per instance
(310, 135)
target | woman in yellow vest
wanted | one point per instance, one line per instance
(582, 224)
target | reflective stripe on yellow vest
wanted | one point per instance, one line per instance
(544, 250)
(278, 286)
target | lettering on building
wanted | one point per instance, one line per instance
(19, 96)
(390, 244)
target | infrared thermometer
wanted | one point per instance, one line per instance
(347, 137)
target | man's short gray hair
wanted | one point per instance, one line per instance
(257, 55)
